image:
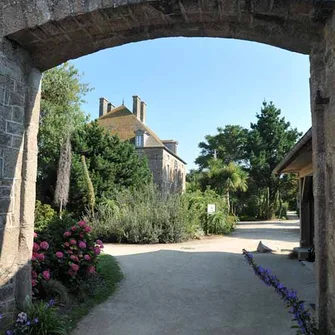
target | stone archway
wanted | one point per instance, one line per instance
(36, 35)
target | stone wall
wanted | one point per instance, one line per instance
(174, 174)
(160, 162)
(19, 110)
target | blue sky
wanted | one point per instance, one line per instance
(193, 85)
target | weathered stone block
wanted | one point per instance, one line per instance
(7, 291)
(17, 142)
(20, 88)
(4, 97)
(16, 99)
(14, 128)
(17, 114)
(12, 161)
(7, 82)
(5, 140)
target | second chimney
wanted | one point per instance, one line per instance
(137, 106)
(103, 106)
(143, 111)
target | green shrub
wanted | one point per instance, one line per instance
(44, 214)
(147, 216)
(143, 216)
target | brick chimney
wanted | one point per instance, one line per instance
(110, 107)
(103, 107)
(137, 106)
(143, 114)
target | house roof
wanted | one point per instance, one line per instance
(124, 123)
(299, 158)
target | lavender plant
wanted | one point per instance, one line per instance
(305, 324)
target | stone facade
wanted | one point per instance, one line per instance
(169, 173)
(36, 35)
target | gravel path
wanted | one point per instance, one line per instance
(203, 287)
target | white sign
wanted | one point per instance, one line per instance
(211, 208)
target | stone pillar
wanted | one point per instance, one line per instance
(322, 85)
(19, 112)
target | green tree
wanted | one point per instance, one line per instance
(112, 164)
(270, 138)
(229, 144)
(226, 179)
(61, 114)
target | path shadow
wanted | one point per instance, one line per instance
(197, 293)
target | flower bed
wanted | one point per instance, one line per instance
(305, 323)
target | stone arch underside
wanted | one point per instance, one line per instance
(56, 31)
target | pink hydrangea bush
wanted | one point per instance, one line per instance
(71, 262)
(40, 267)
(79, 254)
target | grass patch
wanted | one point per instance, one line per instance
(109, 275)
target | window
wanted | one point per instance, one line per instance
(139, 141)
(168, 172)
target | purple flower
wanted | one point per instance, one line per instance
(51, 302)
(35, 320)
(1, 316)
(306, 324)
(9, 332)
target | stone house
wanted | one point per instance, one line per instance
(167, 167)
(300, 161)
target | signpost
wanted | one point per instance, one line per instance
(210, 208)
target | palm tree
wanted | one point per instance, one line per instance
(227, 178)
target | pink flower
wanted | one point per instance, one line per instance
(81, 224)
(91, 269)
(36, 247)
(87, 257)
(99, 242)
(81, 235)
(46, 274)
(82, 245)
(33, 274)
(66, 244)
(74, 267)
(44, 245)
(33, 282)
(71, 273)
(87, 229)
(40, 257)
(67, 234)
(74, 258)
(70, 252)
(35, 235)
(73, 241)
(73, 228)
(59, 254)
(33, 257)
(97, 250)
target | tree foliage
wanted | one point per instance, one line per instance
(112, 164)
(229, 143)
(254, 152)
(61, 115)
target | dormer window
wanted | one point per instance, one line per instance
(139, 138)
(139, 141)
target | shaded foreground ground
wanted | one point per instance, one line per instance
(203, 287)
